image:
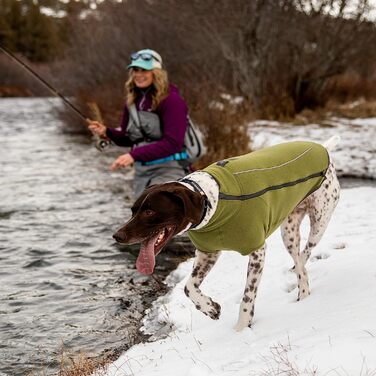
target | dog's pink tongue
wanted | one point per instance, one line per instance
(146, 259)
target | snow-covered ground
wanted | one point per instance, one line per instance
(332, 332)
(355, 155)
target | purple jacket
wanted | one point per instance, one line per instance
(172, 112)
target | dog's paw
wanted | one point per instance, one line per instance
(303, 294)
(241, 326)
(211, 309)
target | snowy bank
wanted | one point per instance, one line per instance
(355, 156)
(332, 332)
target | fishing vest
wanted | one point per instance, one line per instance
(143, 127)
(257, 191)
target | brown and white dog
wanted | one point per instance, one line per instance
(165, 210)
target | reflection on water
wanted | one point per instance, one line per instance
(64, 283)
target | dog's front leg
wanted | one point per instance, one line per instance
(202, 266)
(255, 268)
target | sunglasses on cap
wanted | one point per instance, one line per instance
(144, 56)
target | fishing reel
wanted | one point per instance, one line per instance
(102, 144)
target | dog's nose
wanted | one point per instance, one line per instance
(117, 237)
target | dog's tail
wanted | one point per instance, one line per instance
(332, 143)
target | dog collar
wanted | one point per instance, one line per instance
(196, 187)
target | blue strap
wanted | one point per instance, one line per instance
(175, 157)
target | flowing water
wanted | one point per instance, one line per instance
(64, 284)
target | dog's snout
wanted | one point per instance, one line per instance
(118, 237)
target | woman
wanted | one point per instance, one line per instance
(156, 130)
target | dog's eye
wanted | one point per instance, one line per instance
(149, 212)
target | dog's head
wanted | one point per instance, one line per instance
(162, 211)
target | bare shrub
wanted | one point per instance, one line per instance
(280, 56)
(350, 86)
(95, 68)
(277, 54)
(15, 81)
(224, 121)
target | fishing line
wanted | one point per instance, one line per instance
(100, 143)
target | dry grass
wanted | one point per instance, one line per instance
(77, 365)
(360, 108)
(224, 122)
(350, 86)
(280, 361)
(81, 365)
(109, 100)
(14, 91)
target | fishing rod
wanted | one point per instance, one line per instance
(100, 143)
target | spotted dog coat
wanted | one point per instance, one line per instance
(318, 205)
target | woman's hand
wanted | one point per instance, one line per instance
(97, 128)
(122, 161)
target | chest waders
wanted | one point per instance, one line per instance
(257, 191)
(143, 128)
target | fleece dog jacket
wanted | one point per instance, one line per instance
(257, 191)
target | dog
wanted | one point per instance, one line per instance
(235, 204)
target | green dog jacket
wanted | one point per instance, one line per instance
(257, 191)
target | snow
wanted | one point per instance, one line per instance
(354, 156)
(331, 332)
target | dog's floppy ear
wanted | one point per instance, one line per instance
(192, 201)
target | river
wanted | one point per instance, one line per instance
(65, 285)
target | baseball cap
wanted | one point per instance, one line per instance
(146, 59)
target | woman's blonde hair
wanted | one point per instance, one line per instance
(160, 84)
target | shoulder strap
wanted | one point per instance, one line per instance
(134, 115)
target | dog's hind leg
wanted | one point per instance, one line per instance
(321, 206)
(204, 262)
(290, 231)
(255, 268)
